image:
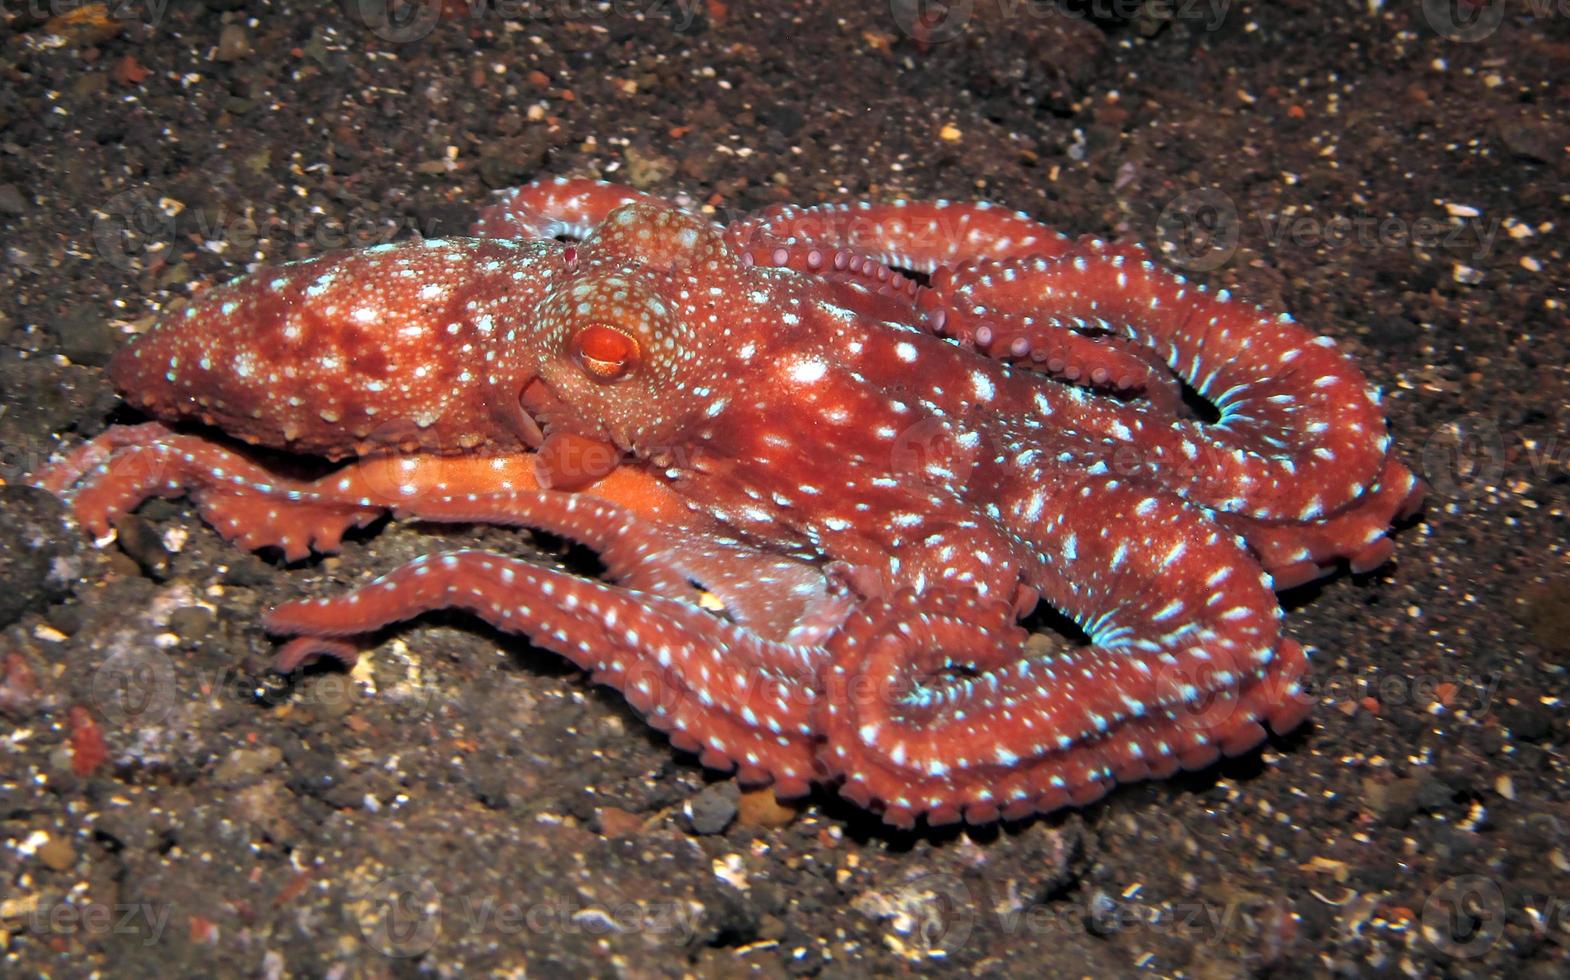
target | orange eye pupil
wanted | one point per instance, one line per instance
(605, 352)
(605, 344)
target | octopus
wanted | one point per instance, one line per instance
(832, 460)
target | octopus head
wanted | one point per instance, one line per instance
(624, 330)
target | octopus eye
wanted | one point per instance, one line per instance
(605, 353)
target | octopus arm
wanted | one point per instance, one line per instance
(677, 555)
(937, 704)
(916, 235)
(559, 207)
(716, 688)
(1300, 433)
(1297, 553)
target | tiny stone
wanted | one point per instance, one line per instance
(33, 549)
(1528, 721)
(646, 170)
(616, 822)
(712, 810)
(771, 928)
(1101, 914)
(58, 854)
(761, 808)
(139, 541)
(243, 764)
(233, 43)
(11, 200)
(1397, 802)
(191, 623)
(85, 336)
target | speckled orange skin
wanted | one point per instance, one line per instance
(295, 368)
(821, 499)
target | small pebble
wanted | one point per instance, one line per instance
(58, 854)
(712, 810)
(243, 764)
(234, 43)
(85, 336)
(761, 808)
(11, 201)
(616, 822)
(35, 548)
(191, 623)
(646, 170)
(139, 541)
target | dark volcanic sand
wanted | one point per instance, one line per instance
(462, 802)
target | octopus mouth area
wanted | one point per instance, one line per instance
(1201, 408)
(953, 672)
(543, 413)
(535, 402)
(1052, 629)
(709, 602)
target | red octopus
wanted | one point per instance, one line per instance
(825, 492)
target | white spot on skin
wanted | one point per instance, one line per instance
(983, 387)
(808, 371)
